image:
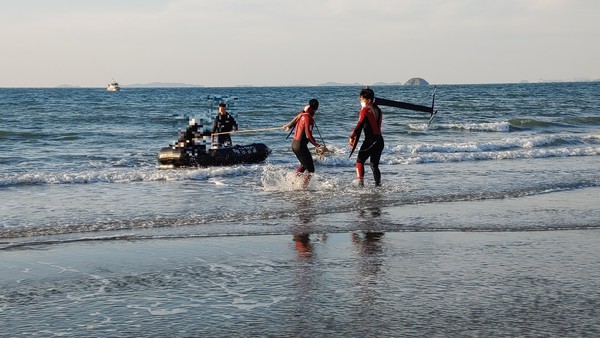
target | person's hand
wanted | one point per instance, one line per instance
(286, 127)
(321, 150)
(352, 140)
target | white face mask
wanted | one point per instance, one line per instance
(363, 104)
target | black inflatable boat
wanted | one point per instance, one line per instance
(199, 155)
(194, 148)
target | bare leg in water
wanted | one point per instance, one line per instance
(306, 176)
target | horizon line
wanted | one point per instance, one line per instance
(325, 84)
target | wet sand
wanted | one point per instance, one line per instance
(534, 283)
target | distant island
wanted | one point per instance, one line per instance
(416, 81)
(338, 84)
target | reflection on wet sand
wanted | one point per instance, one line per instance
(369, 241)
(303, 245)
(370, 252)
(370, 259)
(304, 227)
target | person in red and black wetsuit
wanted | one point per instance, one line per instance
(369, 120)
(304, 124)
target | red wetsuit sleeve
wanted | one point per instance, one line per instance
(304, 129)
(361, 122)
(299, 127)
(367, 116)
(308, 130)
(294, 121)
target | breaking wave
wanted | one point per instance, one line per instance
(507, 148)
(121, 175)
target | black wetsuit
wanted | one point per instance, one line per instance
(224, 123)
(373, 145)
(300, 148)
(304, 124)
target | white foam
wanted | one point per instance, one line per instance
(503, 127)
(274, 178)
(419, 126)
(165, 312)
(280, 179)
(122, 175)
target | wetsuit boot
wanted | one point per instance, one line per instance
(360, 173)
(376, 174)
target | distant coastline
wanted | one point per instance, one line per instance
(187, 85)
(324, 84)
(161, 85)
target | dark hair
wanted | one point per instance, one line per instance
(314, 104)
(222, 104)
(367, 93)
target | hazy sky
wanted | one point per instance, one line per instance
(46, 43)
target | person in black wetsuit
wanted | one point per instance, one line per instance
(369, 120)
(224, 123)
(304, 124)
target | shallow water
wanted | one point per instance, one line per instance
(77, 161)
(486, 223)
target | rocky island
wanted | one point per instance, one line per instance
(416, 81)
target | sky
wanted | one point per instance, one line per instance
(221, 43)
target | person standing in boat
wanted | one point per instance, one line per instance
(369, 120)
(224, 124)
(304, 123)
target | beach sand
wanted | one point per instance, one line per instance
(528, 279)
(542, 283)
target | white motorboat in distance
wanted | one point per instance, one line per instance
(113, 86)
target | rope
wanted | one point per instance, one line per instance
(247, 131)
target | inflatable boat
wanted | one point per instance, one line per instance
(203, 156)
(195, 148)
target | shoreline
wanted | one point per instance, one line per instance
(570, 210)
(387, 283)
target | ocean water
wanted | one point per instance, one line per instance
(78, 167)
(81, 163)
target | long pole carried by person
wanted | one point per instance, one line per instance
(353, 147)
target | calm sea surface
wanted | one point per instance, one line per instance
(80, 164)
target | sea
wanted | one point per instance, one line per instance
(79, 174)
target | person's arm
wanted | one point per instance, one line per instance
(292, 123)
(308, 131)
(362, 118)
